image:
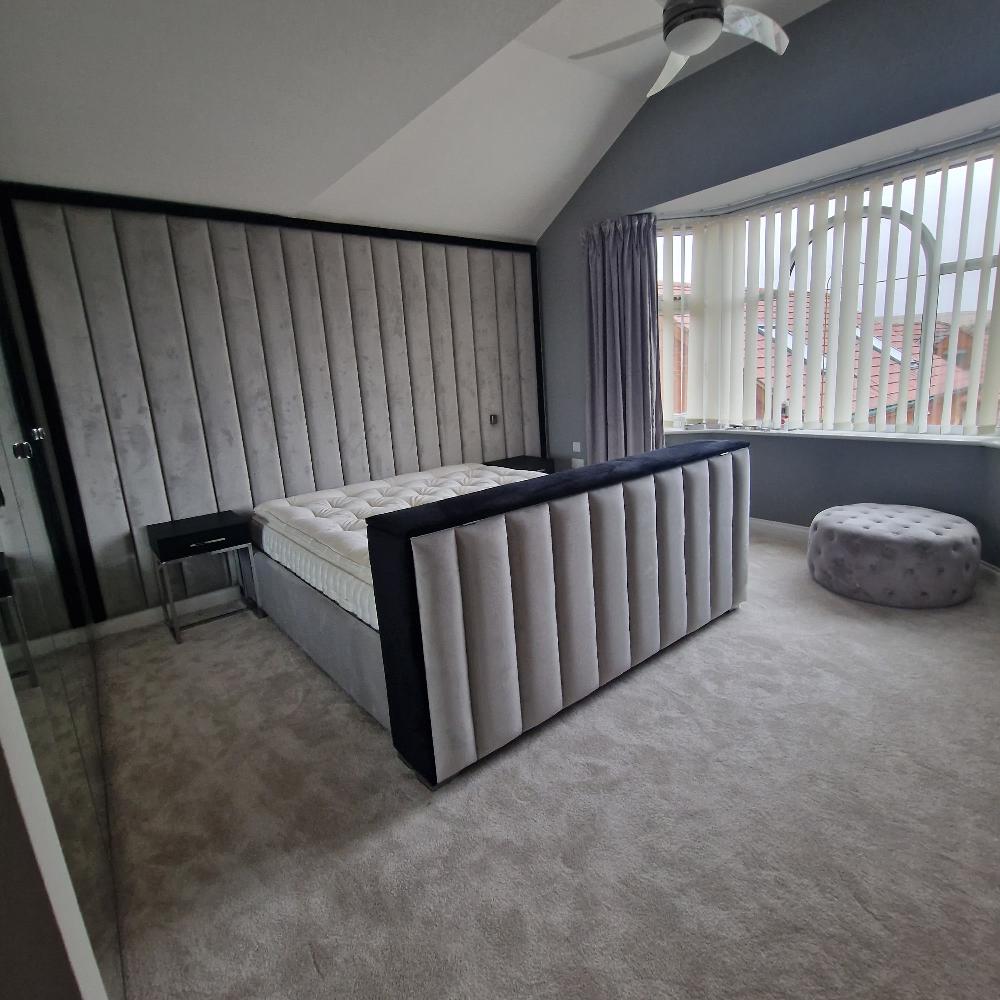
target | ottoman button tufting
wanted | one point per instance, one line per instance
(866, 546)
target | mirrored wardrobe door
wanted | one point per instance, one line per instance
(49, 653)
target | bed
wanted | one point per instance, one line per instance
(464, 605)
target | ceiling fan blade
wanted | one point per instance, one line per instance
(675, 63)
(622, 43)
(748, 23)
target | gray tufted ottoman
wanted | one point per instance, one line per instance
(904, 557)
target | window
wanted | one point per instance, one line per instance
(866, 307)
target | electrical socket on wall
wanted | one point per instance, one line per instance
(577, 463)
(576, 447)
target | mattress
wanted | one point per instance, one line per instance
(322, 537)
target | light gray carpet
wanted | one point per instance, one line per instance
(801, 801)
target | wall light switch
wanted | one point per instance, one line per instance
(577, 463)
(576, 447)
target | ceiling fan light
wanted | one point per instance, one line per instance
(690, 38)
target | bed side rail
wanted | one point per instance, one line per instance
(499, 610)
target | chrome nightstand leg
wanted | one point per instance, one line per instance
(167, 598)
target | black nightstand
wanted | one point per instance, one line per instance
(529, 463)
(224, 533)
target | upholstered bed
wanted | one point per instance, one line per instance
(463, 606)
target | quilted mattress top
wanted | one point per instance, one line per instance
(332, 524)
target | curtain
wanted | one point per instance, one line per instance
(623, 406)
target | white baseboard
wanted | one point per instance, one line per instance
(126, 623)
(797, 531)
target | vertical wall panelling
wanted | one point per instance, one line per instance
(148, 266)
(105, 299)
(67, 339)
(313, 358)
(527, 347)
(267, 269)
(442, 353)
(416, 323)
(486, 335)
(465, 353)
(395, 356)
(510, 367)
(210, 360)
(335, 301)
(368, 345)
(218, 361)
(246, 358)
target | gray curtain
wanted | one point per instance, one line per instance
(623, 406)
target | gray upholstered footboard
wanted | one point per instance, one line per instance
(499, 610)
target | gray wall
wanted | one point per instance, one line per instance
(854, 68)
(793, 478)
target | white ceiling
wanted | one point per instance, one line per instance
(461, 116)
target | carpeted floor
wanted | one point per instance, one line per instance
(801, 801)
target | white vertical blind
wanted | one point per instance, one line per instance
(871, 306)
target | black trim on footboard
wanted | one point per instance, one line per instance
(394, 574)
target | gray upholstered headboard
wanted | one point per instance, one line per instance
(203, 364)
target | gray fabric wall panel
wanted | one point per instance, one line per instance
(199, 292)
(510, 366)
(573, 571)
(418, 341)
(532, 576)
(147, 262)
(482, 289)
(204, 364)
(525, 302)
(442, 353)
(313, 358)
(464, 344)
(643, 568)
(368, 345)
(720, 484)
(246, 358)
(487, 608)
(435, 562)
(670, 555)
(395, 355)
(267, 269)
(335, 299)
(611, 597)
(67, 340)
(697, 545)
(102, 285)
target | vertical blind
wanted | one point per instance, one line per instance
(870, 306)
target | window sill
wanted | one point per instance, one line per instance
(975, 440)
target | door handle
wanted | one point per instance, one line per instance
(22, 449)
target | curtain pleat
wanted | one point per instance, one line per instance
(624, 411)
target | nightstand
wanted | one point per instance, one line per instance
(224, 533)
(529, 463)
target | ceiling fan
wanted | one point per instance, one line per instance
(692, 26)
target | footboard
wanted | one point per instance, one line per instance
(499, 609)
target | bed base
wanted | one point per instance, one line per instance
(343, 646)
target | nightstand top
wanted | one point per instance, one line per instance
(194, 525)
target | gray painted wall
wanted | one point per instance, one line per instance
(793, 478)
(854, 68)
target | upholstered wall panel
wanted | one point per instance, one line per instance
(206, 364)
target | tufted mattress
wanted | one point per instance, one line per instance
(322, 537)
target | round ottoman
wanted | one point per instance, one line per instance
(903, 557)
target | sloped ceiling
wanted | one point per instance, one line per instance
(462, 116)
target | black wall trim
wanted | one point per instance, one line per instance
(52, 420)
(455, 511)
(94, 199)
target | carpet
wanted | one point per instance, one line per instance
(799, 801)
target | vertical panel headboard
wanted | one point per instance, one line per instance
(205, 363)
